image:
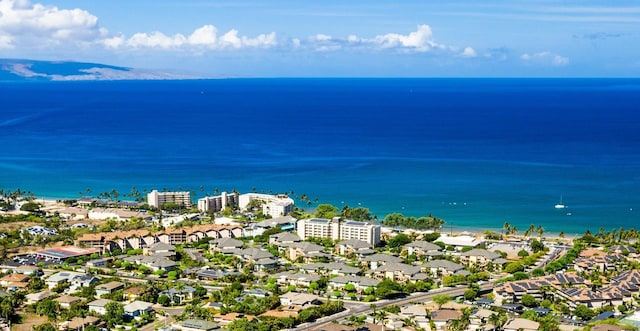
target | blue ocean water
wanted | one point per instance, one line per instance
(476, 152)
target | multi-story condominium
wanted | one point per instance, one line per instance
(157, 199)
(218, 203)
(339, 230)
(273, 205)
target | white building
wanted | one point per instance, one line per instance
(218, 202)
(157, 199)
(339, 230)
(273, 205)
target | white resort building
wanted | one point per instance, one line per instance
(273, 205)
(157, 199)
(339, 230)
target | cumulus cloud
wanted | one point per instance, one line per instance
(468, 52)
(419, 41)
(24, 24)
(545, 58)
(205, 37)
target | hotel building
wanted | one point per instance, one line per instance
(339, 230)
(157, 199)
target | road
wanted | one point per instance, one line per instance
(363, 308)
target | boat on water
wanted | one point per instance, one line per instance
(560, 205)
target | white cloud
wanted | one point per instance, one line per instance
(420, 40)
(545, 58)
(469, 52)
(206, 35)
(23, 24)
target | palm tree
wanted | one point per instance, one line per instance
(530, 229)
(540, 231)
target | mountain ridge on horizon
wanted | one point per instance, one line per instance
(43, 70)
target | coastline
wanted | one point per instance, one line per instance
(51, 202)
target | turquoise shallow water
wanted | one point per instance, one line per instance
(475, 152)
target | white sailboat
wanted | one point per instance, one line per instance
(560, 205)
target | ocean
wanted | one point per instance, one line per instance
(475, 152)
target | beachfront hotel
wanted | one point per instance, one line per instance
(337, 229)
(272, 205)
(218, 203)
(157, 199)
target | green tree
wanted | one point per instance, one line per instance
(398, 241)
(47, 307)
(164, 300)
(326, 211)
(583, 312)
(529, 300)
(441, 299)
(45, 327)
(114, 314)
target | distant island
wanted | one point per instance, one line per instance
(36, 70)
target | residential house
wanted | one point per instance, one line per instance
(305, 251)
(354, 247)
(224, 244)
(132, 293)
(28, 270)
(108, 288)
(137, 308)
(66, 301)
(330, 268)
(481, 258)
(161, 249)
(154, 263)
(79, 323)
(195, 325)
(376, 260)
(360, 282)
(399, 272)
(521, 324)
(14, 280)
(299, 299)
(440, 268)
(442, 317)
(284, 238)
(417, 313)
(33, 298)
(421, 248)
(180, 295)
(459, 242)
(226, 319)
(99, 263)
(301, 279)
(98, 306)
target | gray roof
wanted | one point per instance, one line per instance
(360, 280)
(382, 258)
(355, 243)
(227, 243)
(256, 253)
(402, 267)
(308, 247)
(285, 237)
(481, 252)
(423, 245)
(99, 302)
(340, 267)
(444, 264)
(160, 246)
(273, 222)
(199, 324)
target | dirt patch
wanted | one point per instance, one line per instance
(29, 322)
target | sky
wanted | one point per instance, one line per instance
(333, 38)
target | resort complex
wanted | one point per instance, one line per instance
(255, 262)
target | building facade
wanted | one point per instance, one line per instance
(218, 203)
(337, 229)
(157, 199)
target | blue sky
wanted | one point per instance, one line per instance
(411, 38)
